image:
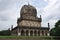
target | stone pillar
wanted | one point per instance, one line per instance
(19, 32)
(29, 33)
(37, 33)
(40, 33)
(25, 32)
(33, 32)
(48, 33)
(44, 33)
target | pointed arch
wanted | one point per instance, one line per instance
(27, 33)
(22, 33)
(35, 32)
(38, 33)
(31, 33)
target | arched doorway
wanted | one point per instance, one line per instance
(38, 33)
(31, 33)
(42, 33)
(35, 33)
(27, 33)
(22, 33)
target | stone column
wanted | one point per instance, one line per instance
(48, 34)
(44, 33)
(33, 32)
(40, 33)
(19, 32)
(29, 33)
(25, 32)
(37, 33)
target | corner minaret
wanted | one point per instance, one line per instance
(40, 20)
(11, 27)
(49, 25)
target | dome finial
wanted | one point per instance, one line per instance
(28, 2)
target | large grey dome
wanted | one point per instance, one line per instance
(28, 9)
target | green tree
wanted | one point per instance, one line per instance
(5, 33)
(57, 24)
(56, 30)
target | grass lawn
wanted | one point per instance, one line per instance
(45, 37)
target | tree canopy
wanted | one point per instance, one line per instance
(5, 33)
(56, 30)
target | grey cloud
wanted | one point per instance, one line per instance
(6, 4)
(40, 4)
(7, 11)
(2, 18)
(10, 10)
(51, 15)
(55, 13)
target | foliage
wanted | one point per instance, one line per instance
(56, 30)
(5, 33)
(57, 24)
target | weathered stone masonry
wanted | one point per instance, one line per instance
(29, 24)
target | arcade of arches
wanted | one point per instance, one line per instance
(33, 33)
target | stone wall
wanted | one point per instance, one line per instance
(29, 23)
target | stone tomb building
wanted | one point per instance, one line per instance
(29, 24)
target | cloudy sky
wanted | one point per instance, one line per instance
(10, 11)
